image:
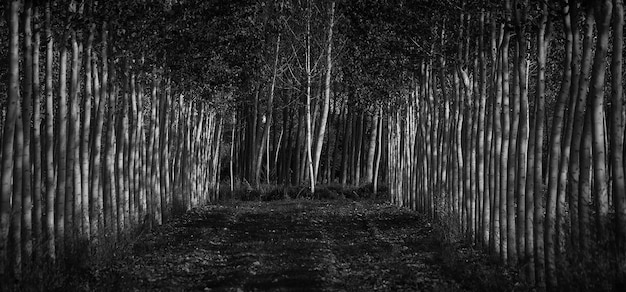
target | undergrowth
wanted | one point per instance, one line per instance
(598, 269)
(81, 262)
(462, 260)
(332, 191)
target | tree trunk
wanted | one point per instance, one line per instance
(61, 150)
(95, 187)
(309, 133)
(576, 167)
(539, 211)
(16, 246)
(326, 106)
(37, 147)
(86, 133)
(507, 196)
(617, 131)
(379, 149)
(596, 95)
(49, 229)
(27, 201)
(551, 238)
(482, 151)
(268, 122)
(74, 204)
(371, 152)
(563, 188)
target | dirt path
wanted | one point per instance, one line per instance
(286, 246)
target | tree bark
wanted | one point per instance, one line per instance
(61, 150)
(326, 106)
(576, 165)
(27, 201)
(74, 203)
(539, 209)
(86, 133)
(49, 229)
(37, 147)
(596, 94)
(551, 238)
(617, 131)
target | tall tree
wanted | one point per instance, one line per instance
(603, 10)
(319, 140)
(617, 130)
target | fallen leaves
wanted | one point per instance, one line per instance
(287, 245)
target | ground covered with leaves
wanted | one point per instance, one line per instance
(303, 245)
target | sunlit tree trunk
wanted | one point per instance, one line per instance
(134, 153)
(507, 195)
(379, 149)
(155, 194)
(499, 210)
(74, 202)
(551, 238)
(8, 133)
(326, 106)
(85, 152)
(95, 188)
(309, 130)
(37, 147)
(61, 149)
(596, 95)
(481, 174)
(50, 185)
(109, 147)
(27, 104)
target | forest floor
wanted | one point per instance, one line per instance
(302, 245)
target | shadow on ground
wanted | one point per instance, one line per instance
(302, 245)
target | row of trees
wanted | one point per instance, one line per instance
(303, 120)
(513, 128)
(97, 139)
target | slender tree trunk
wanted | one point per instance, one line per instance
(346, 145)
(309, 157)
(109, 147)
(596, 95)
(371, 152)
(326, 106)
(61, 149)
(379, 149)
(49, 229)
(617, 131)
(563, 188)
(551, 238)
(37, 147)
(585, 186)
(482, 151)
(576, 176)
(27, 201)
(74, 205)
(539, 209)
(270, 111)
(16, 246)
(95, 187)
(86, 133)
(508, 145)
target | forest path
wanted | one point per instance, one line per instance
(297, 245)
